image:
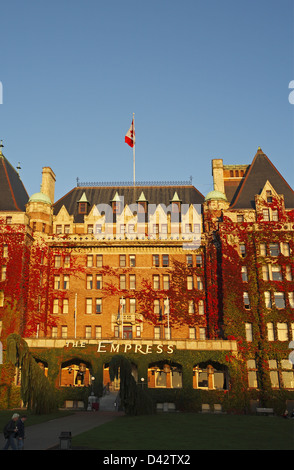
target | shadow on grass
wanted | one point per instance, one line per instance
(190, 432)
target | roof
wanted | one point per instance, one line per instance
(260, 171)
(130, 194)
(216, 195)
(13, 195)
(40, 197)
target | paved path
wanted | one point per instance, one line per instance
(46, 435)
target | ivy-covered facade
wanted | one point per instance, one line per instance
(196, 292)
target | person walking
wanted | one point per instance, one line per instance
(20, 435)
(10, 430)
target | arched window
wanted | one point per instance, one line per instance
(211, 376)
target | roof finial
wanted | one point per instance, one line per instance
(1, 145)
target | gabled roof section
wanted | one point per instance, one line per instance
(260, 171)
(130, 194)
(13, 195)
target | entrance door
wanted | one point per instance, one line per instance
(127, 333)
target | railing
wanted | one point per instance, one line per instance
(131, 183)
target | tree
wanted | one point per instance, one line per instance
(134, 399)
(37, 392)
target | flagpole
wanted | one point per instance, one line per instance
(134, 150)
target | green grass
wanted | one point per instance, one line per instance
(191, 432)
(5, 416)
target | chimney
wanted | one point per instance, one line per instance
(218, 175)
(48, 183)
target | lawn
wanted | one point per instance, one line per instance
(182, 431)
(5, 416)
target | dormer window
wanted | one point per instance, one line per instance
(83, 204)
(82, 208)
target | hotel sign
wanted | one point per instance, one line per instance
(119, 348)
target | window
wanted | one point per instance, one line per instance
(246, 300)
(167, 333)
(244, 274)
(265, 214)
(201, 307)
(122, 228)
(67, 261)
(58, 229)
(54, 332)
(267, 299)
(122, 281)
(1, 298)
(191, 306)
(88, 306)
(90, 228)
(132, 281)
(156, 228)
(192, 333)
(122, 261)
(132, 260)
(275, 215)
(291, 299)
(98, 281)
(56, 282)
(65, 306)
(288, 273)
(198, 261)
(156, 261)
(270, 332)
(282, 330)
(242, 249)
(82, 208)
(166, 282)
(67, 229)
(57, 261)
(287, 375)
(240, 218)
(199, 283)
(99, 261)
(202, 334)
(65, 282)
(189, 282)
(286, 249)
(98, 306)
(248, 332)
(64, 331)
(55, 306)
(132, 305)
(276, 273)
(165, 261)
(3, 273)
(5, 251)
(157, 332)
(262, 249)
(279, 299)
(156, 306)
(89, 261)
(274, 249)
(252, 373)
(98, 332)
(88, 332)
(269, 198)
(89, 281)
(155, 282)
(189, 260)
(265, 272)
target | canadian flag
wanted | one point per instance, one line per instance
(130, 135)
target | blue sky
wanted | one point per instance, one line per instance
(205, 79)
